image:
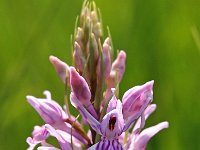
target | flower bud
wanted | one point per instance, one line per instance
(94, 46)
(78, 57)
(94, 17)
(117, 70)
(84, 14)
(107, 41)
(119, 65)
(61, 68)
(79, 36)
(79, 33)
(97, 30)
(106, 62)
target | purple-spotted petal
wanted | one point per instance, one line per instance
(143, 138)
(61, 67)
(113, 123)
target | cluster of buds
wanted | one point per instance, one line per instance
(92, 88)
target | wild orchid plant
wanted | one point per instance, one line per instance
(94, 83)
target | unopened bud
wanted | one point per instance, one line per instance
(106, 62)
(94, 17)
(78, 57)
(117, 70)
(84, 14)
(95, 46)
(61, 68)
(107, 41)
(79, 34)
(97, 29)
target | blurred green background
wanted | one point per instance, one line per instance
(156, 34)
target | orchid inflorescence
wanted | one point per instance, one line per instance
(92, 86)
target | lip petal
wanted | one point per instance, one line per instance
(113, 123)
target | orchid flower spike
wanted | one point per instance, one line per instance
(94, 82)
